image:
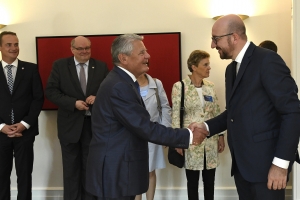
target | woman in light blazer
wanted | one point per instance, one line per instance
(148, 88)
(200, 104)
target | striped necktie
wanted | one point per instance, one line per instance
(10, 83)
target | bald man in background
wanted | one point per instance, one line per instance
(72, 86)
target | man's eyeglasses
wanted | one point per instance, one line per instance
(82, 49)
(216, 38)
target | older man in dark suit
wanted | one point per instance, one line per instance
(262, 113)
(118, 159)
(72, 86)
(21, 100)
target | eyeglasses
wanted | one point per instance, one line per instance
(216, 38)
(82, 49)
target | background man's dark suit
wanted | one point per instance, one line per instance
(118, 158)
(63, 89)
(262, 114)
(27, 101)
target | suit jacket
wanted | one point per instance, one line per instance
(26, 100)
(262, 113)
(118, 157)
(151, 103)
(194, 112)
(63, 89)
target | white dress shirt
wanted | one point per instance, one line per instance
(14, 72)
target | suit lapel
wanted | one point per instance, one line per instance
(130, 81)
(74, 75)
(19, 75)
(91, 69)
(243, 67)
(3, 79)
(152, 87)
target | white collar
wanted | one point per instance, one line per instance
(240, 56)
(128, 72)
(15, 63)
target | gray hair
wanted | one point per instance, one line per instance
(123, 44)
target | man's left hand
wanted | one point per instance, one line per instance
(277, 178)
(90, 100)
(19, 128)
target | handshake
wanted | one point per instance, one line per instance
(199, 132)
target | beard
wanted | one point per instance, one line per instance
(226, 53)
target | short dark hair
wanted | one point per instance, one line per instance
(6, 33)
(268, 44)
(195, 57)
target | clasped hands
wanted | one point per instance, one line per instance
(199, 132)
(84, 105)
(14, 130)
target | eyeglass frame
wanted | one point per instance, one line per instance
(82, 49)
(216, 38)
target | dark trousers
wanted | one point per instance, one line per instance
(255, 191)
(22, 149)
(74, 157)
(208, 178)
(120, 198)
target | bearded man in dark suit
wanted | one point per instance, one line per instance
(262, 113)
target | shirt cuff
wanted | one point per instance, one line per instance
(191, 136)
(25, 124)
(207, 128)
(281, 163)
(1, 126)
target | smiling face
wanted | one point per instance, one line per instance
(137, 61)
(223, 44)
(9, 48)
(81, 48)
(202, 69)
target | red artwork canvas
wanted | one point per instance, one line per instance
(164, 49)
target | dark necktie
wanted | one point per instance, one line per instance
(234, 63)
(10, 83)
(139, 93)
(137, 86)
(82, 78)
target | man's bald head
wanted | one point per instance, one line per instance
(231, 24)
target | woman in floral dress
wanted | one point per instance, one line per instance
(200, 103)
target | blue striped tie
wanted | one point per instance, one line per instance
(10, 83)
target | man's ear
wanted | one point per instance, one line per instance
(122, 58)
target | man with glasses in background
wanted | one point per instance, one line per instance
(72, 86)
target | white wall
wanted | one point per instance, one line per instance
(296, 62)
(270, 20)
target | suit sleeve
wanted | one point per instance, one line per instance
(135, 118)
(53, 92)
(282, 90)
(37, 98)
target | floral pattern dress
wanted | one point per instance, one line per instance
(195, 112)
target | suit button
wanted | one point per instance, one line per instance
(231, 120)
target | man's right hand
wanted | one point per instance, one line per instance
(81, 105)
(199, 132)
(10, 131)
